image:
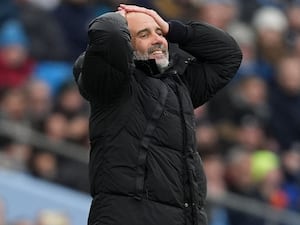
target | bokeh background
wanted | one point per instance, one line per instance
(248, 134)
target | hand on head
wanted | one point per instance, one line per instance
(124, 9)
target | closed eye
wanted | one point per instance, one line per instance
(143, 33)
(159, 32)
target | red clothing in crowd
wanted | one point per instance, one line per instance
(15, 76)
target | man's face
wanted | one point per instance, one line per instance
(147, 39)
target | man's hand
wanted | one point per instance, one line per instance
(133, 8)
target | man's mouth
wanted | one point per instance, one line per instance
(157, 52)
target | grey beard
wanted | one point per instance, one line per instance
(162, 64)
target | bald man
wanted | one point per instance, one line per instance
(143, 77)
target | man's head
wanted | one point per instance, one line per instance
(147, 39)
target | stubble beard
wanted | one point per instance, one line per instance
(161, 62)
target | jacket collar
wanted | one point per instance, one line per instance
(149, 67)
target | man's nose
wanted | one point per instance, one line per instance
(157, 39)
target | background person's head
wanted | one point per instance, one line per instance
(13, 44)
(288, 75)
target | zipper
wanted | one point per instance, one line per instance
(186, 169)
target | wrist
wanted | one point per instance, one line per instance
(177, 31)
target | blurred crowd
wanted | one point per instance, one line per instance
(248, 134)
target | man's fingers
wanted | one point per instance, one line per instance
(133, 8)
(160, 21)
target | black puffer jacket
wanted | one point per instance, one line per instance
(144, 168)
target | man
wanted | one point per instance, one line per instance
(144, 168)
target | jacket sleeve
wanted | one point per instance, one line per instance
(217, 57)
(106, 65)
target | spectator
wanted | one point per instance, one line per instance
(267, 174)
(44, 44)
(220, 13)
(13, 105)
(252, 135)
(293, 16)
(15, 156)
(16, 65)
(239, 181)
(238, 171)
(207, 138)
(44, 165)
(249, 8)
(69, 102)
(40, 102)
(44, 4)
(77, 130)
(246, 98)
(270, 25)
(285, 103)
(55, 127)
(73, 17)
(291, 170)
(246, 38)
(214, 168)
